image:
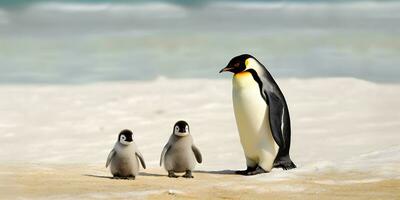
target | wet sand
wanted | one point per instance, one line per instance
(33, 181)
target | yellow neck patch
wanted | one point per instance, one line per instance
(244, 80)
(242, 74)
(247, 62)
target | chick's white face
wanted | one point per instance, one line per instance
(181, 131)
(123, 139)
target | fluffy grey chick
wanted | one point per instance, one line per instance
(124, 157)
(180, 154)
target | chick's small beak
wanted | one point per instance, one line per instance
(226, 69)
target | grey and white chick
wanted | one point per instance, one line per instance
(124, 157)
(180, 154)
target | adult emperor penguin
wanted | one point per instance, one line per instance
(124, 157)
(180, 154)
(262, 116)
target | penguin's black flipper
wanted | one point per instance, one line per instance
(280, 126)
(110, 157)
(139, 155)
(164, 151)
(275, 119)
(197, 154)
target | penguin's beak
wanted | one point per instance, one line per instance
(226, 69)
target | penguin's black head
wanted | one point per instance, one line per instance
(181, 128)
(237, 64)
(125, 137)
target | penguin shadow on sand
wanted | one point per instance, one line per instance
(221, 172)
(151, 174)
(98, 176)
(111, 177)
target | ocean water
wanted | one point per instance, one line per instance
(73, 42)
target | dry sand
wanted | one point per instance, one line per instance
(94, 182)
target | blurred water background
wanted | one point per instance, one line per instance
(74, 42)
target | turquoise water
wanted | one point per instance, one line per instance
(90, 41)
(16, 3)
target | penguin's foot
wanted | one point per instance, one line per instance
(116, 176)
(258, 170)
(244, 172)
(285, 164)
(130, 177)
(171, 174)
(188, 174)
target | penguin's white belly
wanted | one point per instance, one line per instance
(252, 119)
(125, 162)
(180, 156)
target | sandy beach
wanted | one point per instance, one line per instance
(55, 140)
(92, 182)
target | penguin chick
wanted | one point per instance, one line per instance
(180, 154)
(124, 157)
